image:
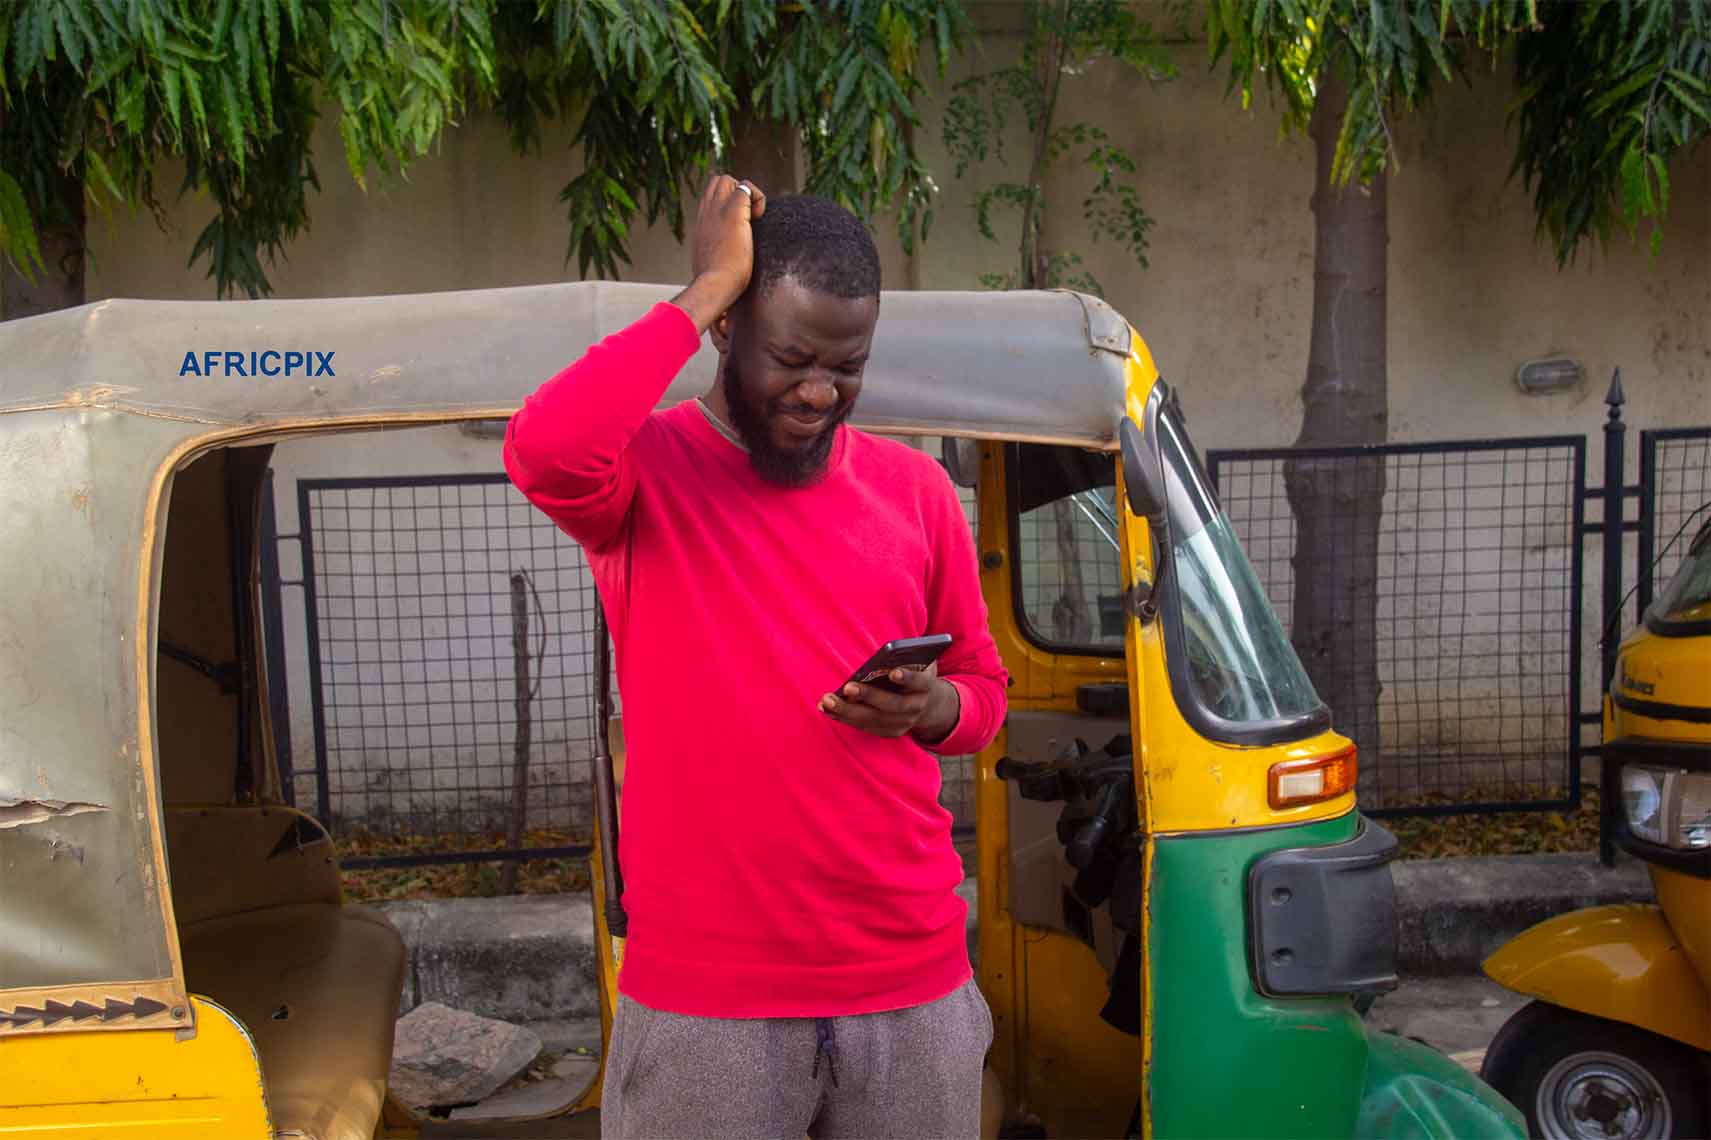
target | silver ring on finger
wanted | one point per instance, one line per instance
(745, 189)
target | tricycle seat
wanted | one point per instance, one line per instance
(317, 985)
(264, 934)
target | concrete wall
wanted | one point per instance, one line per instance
(1225, 307)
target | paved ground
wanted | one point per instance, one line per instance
(1457, 1016)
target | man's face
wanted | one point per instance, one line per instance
(792, 369)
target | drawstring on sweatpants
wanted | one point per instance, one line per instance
(826, 1043)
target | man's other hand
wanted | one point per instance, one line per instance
(927, 706)
(722, 258)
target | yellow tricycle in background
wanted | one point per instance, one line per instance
(1617, 1044)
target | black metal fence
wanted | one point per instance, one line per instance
(448, 638)
(1478, 597)
(450, 660)
(1675, 483)
(1466, 582)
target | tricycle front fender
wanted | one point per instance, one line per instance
(1623, 963)
(1416, 1093)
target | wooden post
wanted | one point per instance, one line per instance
(524, 698)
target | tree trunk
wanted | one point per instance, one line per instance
(1048, 81)
(762, 151)
(1338, 504)
(1071, 622)
(59, 284)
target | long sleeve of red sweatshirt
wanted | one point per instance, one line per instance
(776, 862)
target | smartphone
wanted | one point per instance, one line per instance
(912, 653)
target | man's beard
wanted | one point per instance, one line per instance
(795, 468)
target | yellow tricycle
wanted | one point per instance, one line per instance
(1617, 1044)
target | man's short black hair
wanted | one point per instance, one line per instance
(818, 242)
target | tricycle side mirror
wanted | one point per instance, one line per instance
(1142, 480)
(961, 459)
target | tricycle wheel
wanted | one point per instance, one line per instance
(1579, 1077)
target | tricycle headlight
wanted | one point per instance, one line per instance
(1693, 820)
(1642, 801)
(1668, 806)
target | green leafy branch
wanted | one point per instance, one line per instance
(1610, 93)
(1609, 90)
(95, 92)
(1391, 53)
(98, 90)
(17, 233)
(1065, 38)
(845, 76)
(652, 90)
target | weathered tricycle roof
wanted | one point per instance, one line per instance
(100, 405)
(1042, 366)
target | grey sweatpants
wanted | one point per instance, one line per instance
(904, 1073)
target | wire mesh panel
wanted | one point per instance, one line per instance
(1476, 594)
(1675, 483)
(451, 624)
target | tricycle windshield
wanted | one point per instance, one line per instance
(1240, 666)
(1685, 605)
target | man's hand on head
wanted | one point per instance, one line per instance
(723, 253)
(927, 707)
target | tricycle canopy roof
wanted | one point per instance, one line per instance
(1037, 366)
(101, 405)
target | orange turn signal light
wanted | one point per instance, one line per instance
(1296, 782)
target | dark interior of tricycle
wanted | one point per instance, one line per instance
(255, 884)
(1073, 865)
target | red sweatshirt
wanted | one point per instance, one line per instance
(776, 863)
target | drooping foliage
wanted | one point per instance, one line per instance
(1609, 90)
(94, 93)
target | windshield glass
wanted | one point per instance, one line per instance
(1240, 666)
(1687, 598)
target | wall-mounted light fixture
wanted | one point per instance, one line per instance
(1550, 374)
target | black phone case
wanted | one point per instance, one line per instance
(913, 653)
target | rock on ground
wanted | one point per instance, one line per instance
(444, 1056)
(577, 1042)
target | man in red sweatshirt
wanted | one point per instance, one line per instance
(796, 959)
